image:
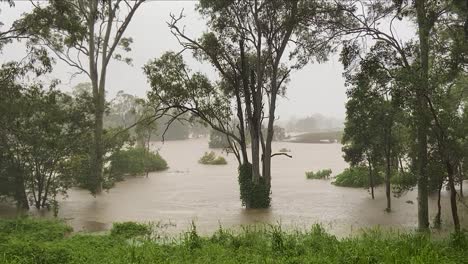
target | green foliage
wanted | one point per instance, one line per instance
(130, 230)
(284, 150)
(253, 195)
(42, 125)
(320, 174)
(218, 140)
(135, 161)
(357, 177)
(252, 244)
(402, 181)
(209, 158)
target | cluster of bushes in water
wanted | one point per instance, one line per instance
(320, 174)
(357, 177)
(39, 241)
(135, 161)
(210, 158)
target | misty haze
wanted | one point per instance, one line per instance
(238, 131)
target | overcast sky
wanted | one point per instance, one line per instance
(317, 88)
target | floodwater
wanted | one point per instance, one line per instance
(209, 196)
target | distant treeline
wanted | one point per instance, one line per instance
(319, 137)
(314, 123)
(124, 112)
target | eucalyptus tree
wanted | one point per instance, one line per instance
(86, 35)
(246, 43)
(11, 33)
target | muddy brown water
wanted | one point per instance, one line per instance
(209, 196)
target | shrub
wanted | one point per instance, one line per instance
(209, 158)
(321, 174)
(357, 177)
(135, 161)
(130, 229)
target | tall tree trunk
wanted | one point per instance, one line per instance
(256, 92)
(388, 172)
(255, 127)
(147, 148)
(371, 179)
(98, 146)
(96, 157)
(241, 128)
(461, 178)
(438, 219)
(453, 196)
(422, 130)
(270, 127)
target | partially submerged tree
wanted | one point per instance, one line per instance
(41, 130)
(246, 44)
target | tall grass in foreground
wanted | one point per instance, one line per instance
(25, 241)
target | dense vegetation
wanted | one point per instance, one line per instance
(406, 113)
(34, 241)
(135, 161)
(320, 174)
(357, 177)
(210, 158)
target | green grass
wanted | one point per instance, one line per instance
(23, 241)
(319, 175)
(210, 158)
(319, 137)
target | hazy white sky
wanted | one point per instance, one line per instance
(317, 88)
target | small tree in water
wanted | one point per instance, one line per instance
(246, 44)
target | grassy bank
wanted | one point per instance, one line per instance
(39, 241)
